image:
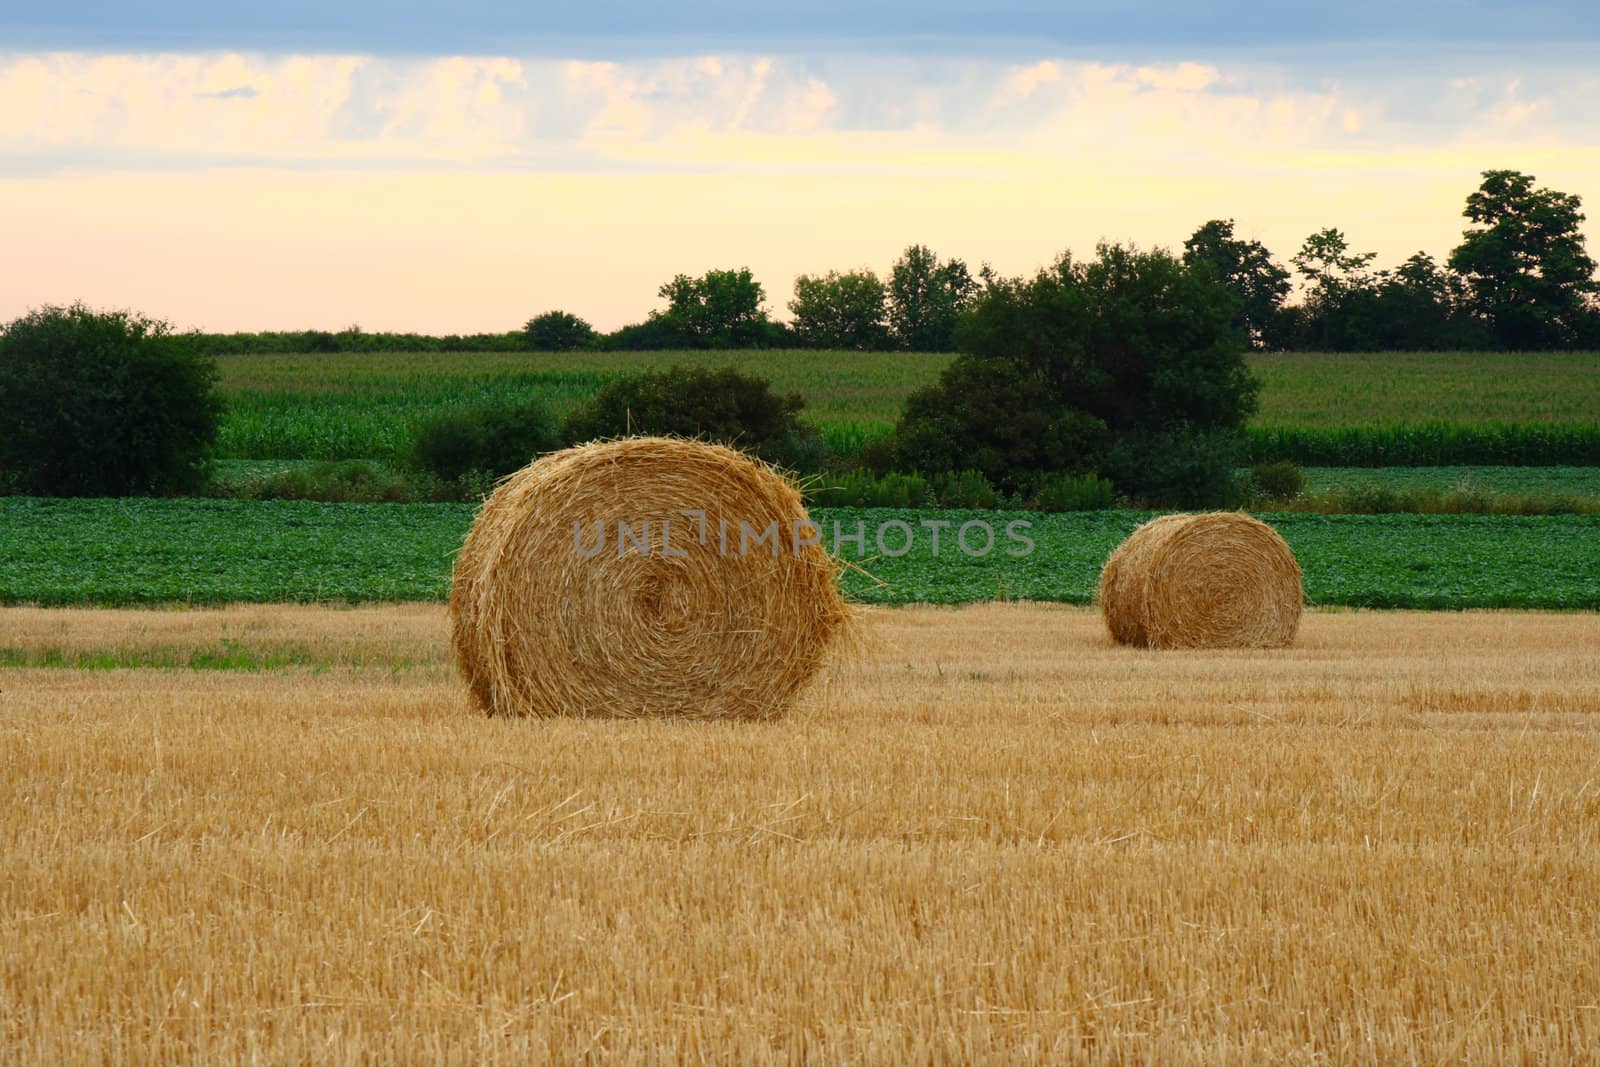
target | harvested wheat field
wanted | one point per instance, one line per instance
(997, 838)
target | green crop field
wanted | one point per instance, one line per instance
(1571, 481)
(354, 406)
(200, 551)
(357, 406)
(1316, 389)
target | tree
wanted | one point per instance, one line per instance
(720, 309)
(719, 405)
(1421, 306)
(1329, 267)
(558, 331)
(925, 299)
(1341, 292)
(1133, 348)
(1247, 268)
(102, 404)
(840, 310)
(1526, 267)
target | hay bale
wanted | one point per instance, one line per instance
(1122, 586)
(726, 626)
(1219, 580)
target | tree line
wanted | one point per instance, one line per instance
(1521, 278)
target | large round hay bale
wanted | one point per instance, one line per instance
(590, 586)
(1219, 580)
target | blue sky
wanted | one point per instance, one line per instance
(636, 27)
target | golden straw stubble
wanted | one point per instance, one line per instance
(553, 613)
(1218, 580)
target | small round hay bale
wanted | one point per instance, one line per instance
(1219, 580)
(589, 586)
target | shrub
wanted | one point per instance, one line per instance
(102, 404)
(876, 456)
(558, 331)
(493, 439)
(721, 405)
(994, 417)
(964, 489)
(860, 489)
(336, 481)
(1180, 468)
(655, 334)
(805, 451)
(1074, 492)
(1282, 480)
(1385, 500)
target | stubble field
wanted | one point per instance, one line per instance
(990, 837)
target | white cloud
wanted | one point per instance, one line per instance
(734, 111)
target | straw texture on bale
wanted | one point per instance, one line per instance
(677, 618)
(1219, 580)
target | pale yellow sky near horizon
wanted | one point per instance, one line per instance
(239, 193)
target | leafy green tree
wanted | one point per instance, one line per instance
(1339, 306)
(925, 299)
(558, 331)
(1526, 267)
(102, 404)
(1422, 306)
(840, 310)
(1247, 268)
(1330, 268)
(721, 405)
(719, 309)
(1058, 369)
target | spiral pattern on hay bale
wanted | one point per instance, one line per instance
(587, 586)
(1217, 580)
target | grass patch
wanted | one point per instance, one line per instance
(225, 656)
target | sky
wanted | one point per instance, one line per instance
(402, 166)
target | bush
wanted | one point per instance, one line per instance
(859, 489)
(558, 331)
(1386, 500)
(1282, 480)
(1073, 492)
(1181, 468)
(655, 334)
(721, 405)
(876, 456)
(994, 417)
(337, 481)
(964, 489)
(102, 404)
(490, 439)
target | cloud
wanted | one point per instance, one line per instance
(710, 111)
